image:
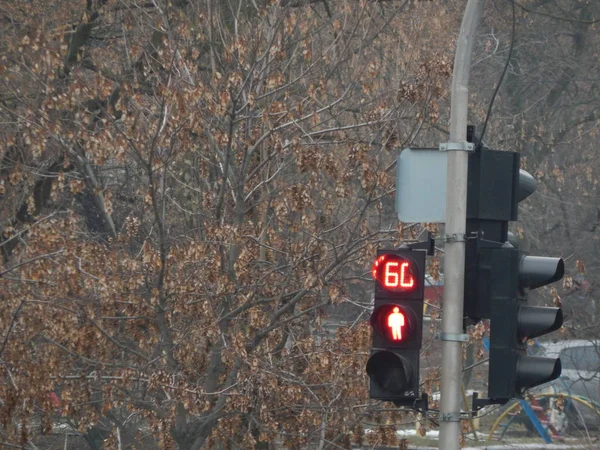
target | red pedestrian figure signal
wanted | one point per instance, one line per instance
(395, 322)
(394, 273)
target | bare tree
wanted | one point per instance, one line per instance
(186, 187)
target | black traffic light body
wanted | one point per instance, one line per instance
(492, 190)
(397, 322)
(498, 276)
(513, 322)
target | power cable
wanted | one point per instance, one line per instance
(510, 50)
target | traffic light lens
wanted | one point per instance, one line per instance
(392, 372)
(393, 323)
(395, 273)
(396, 322)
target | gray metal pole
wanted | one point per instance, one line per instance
(456, 212)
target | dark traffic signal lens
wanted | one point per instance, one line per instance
(390, 371)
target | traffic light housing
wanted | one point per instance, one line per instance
(513, 322)
(397, 322)
(498, 276)
(492, 202)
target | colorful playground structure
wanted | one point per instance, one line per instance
(550, 422)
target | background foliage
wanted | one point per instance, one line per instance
(192, 193)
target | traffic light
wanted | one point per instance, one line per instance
(493, 188)
(498, 277)
(513, 323)
(397, 322)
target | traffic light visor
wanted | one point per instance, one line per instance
(538, 271)
(533, 371)
(394, 273)
(534, 321)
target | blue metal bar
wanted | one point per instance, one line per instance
(535, 421)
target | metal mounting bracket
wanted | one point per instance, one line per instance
(418, 404)
(455, 238)
(457, 146)
(427, 245)
(452, 337)
(449, 417)
(479, 403)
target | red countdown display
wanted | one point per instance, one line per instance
(395, 273)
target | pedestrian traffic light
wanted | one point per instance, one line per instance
(498, 276)
(397, 322)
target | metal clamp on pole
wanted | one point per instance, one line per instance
(456, 238)
(449, 417)
(457, 146)
(452, 337)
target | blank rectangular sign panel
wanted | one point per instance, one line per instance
(421, 185)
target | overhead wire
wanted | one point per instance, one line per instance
(510, 50)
